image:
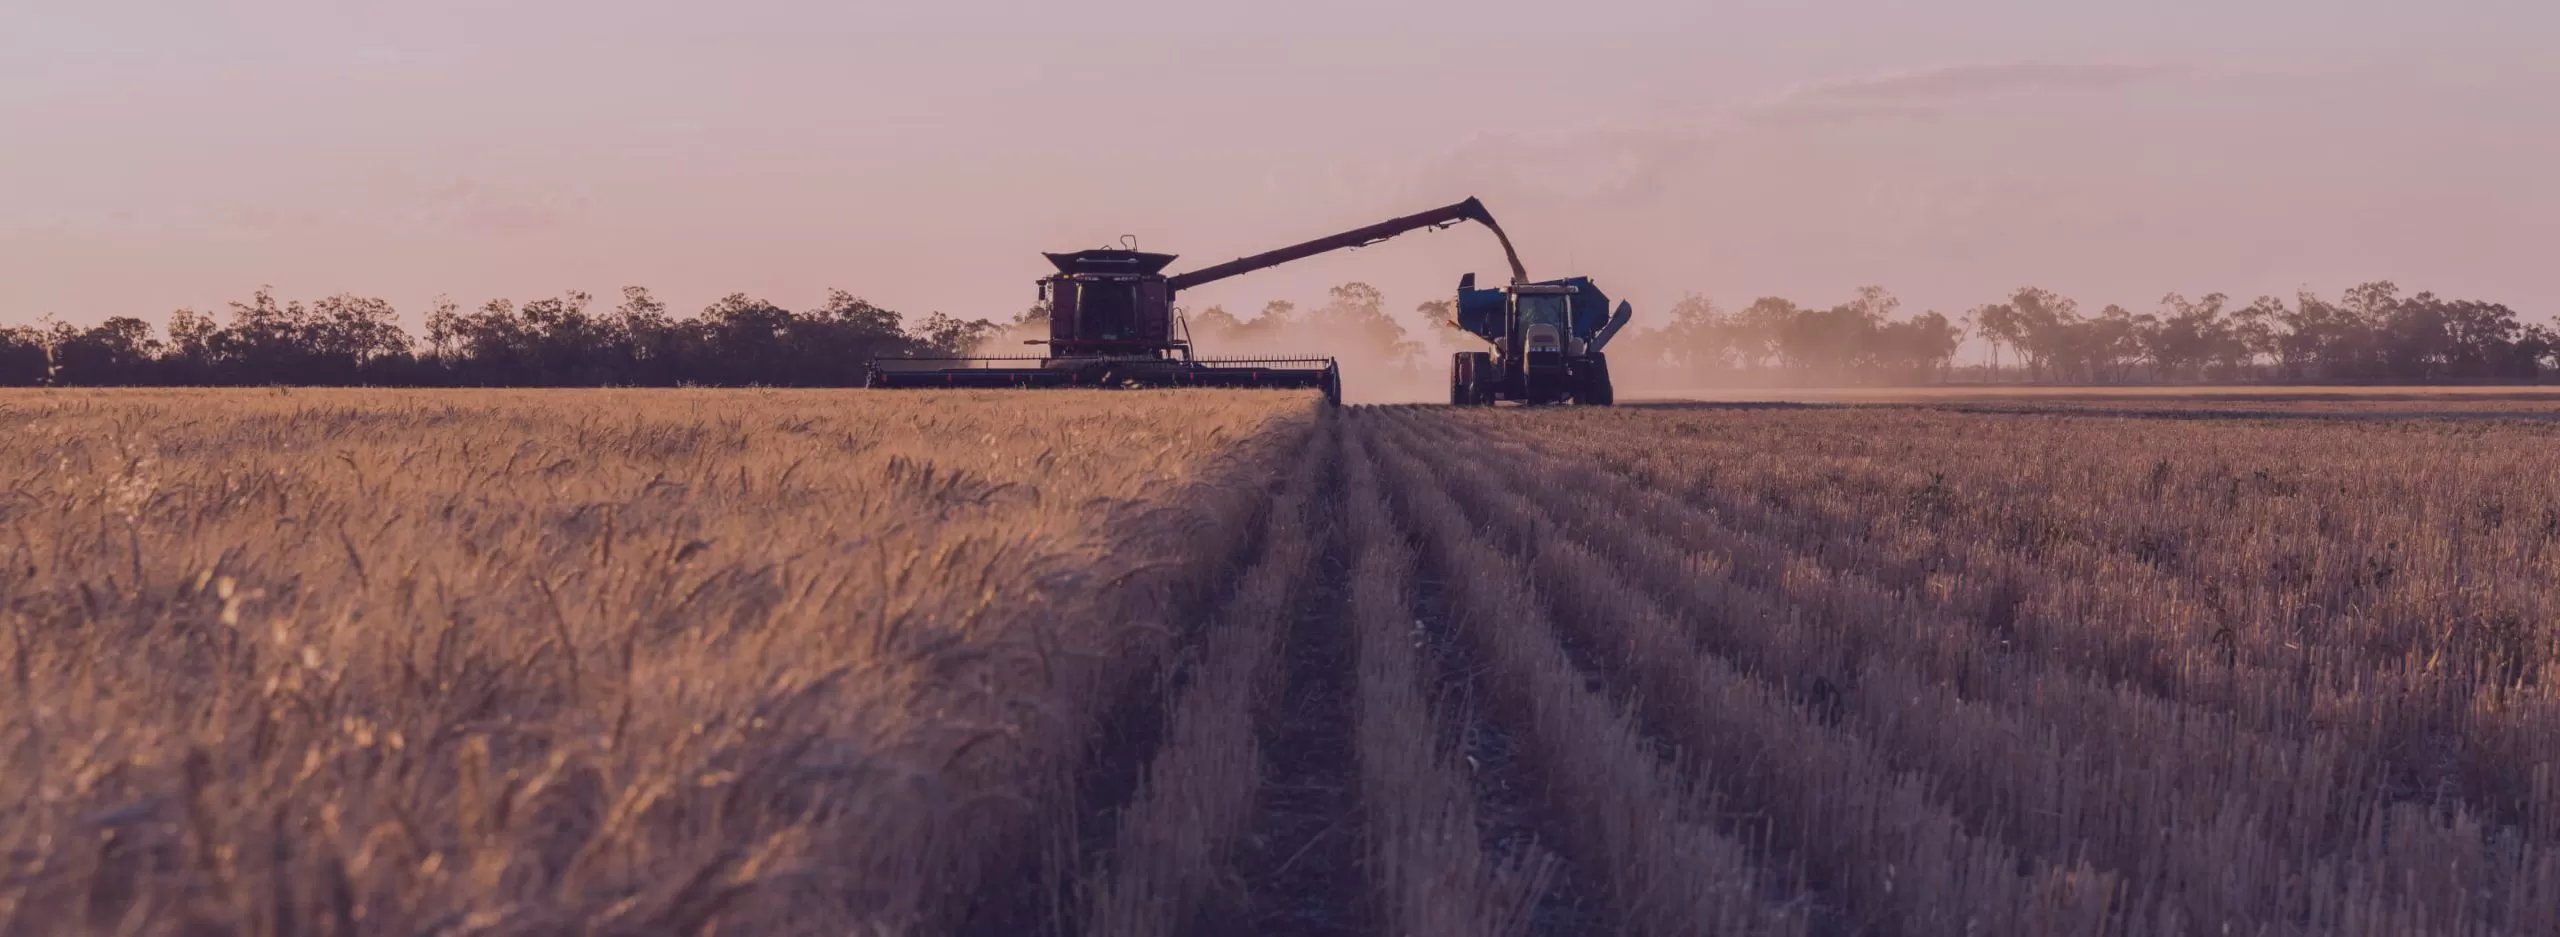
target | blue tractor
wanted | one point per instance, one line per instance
(1546, 339)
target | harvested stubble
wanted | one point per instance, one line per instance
(618, 662)
(2145, 643)
(1895, 860)
(1175, 844)
(1434, 875)
(1635, 819)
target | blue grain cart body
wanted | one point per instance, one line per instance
(1540, 366)
(1483, 312)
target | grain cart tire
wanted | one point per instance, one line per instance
(1596, 390)
(1468, 374)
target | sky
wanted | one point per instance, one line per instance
(158, 155)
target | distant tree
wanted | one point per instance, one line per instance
(1699, 336)
(1997, 325)
(1356, 317)
(25, 360)
(1757, 329)
(2534, 346)
(1439, 317)
(118, 352)
(563, 345)
(1277, 312)
(1211, 328)
(2184, 335)
(656, 348)
(363, 329)
(2045, 321)
(837, 340)
(748, 342)
(1919, 349)
(188, 357)
(1825, 345)
(945, 335)
(2373, 332)
(444, 327)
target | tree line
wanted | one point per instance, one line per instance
(561, 341)
(2374, 333)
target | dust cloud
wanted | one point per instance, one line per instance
(1382, 361)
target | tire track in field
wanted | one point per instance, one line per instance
(1514, 822)
(1300, 870)
(1636, 822)
(1049, 888)
(1165, 798)
(1448, 860)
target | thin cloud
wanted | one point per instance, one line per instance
(1816, 112)
(473, 207)
(1636, 165)
(1914, 93)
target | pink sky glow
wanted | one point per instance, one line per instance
(155, 155)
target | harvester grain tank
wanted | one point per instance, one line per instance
(1547, 338)
(1112, 322)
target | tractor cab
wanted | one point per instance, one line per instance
(1542, 315)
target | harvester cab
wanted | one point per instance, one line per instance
(1098, 303)
(1547, 338)
(1112, 322)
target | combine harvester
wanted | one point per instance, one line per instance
(1112, 322)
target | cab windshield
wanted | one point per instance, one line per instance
(1109, 310)
(1542, 309)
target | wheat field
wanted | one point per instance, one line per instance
(693, 662)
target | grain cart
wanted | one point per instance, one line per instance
(1547, 339)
